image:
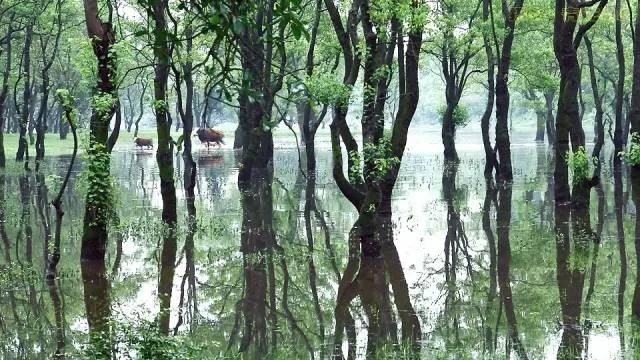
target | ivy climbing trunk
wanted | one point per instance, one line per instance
(98, 204)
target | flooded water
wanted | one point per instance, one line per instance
(491, 273)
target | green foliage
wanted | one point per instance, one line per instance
(633, 155)
(415, 15)
(97, 183)
(381, 157)
(355, 170)
(67, 101)
(460, 115)
(579, 163)
(326, 88)
(103, 103)
(160, 105)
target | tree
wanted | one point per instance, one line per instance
(98, 203)
(454, 53)
(568, 125)
(372, 174)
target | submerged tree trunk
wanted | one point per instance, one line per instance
(485, 121)
(503, 144)
(98, 203)
(503, 217)
(569, 131)
(449, 135)
(164, 157)
(618, 128)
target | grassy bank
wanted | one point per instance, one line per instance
(55, 147)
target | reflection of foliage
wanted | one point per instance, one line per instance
(460, 198)
(14, 274)
(142, 338)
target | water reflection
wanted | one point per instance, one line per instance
(471, 269)
(257, 244)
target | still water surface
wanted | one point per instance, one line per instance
(485, 283)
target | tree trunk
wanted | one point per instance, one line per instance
(597, 99)
(540, 125)
(617, 132)
(449, 135)
(3, 97)
(503, 144)
(23, 145)
(489, 152)
(98, 207)
(550, 126)
(164, 157)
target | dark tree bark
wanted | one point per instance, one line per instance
(164, 157)
(569, 129)
(634, 119)
(45, 87)
(140, 109)
(503, 144)
(97, 213)
(618, 127)
(549, 97)
(540, 125)
(310, 120)
(22, 153)
(597, 99)
(371, 252)
(503, 224)
(54, 257)
(4, 90)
